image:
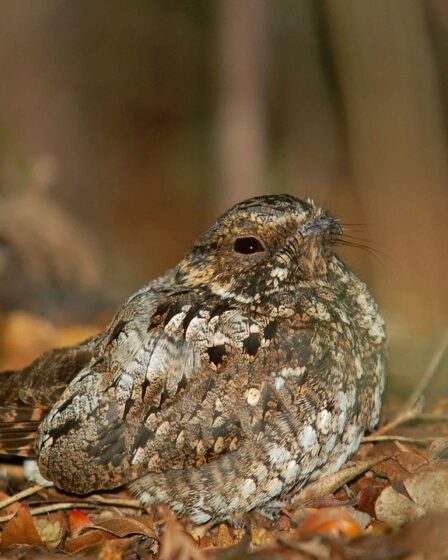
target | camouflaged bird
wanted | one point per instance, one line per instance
(252, 367)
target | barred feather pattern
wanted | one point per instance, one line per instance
(252, 367)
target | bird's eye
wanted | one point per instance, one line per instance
(248, 245)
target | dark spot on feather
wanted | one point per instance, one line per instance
(144, 434)
(152, 410)
(116, 331)
(63, 430)
(162, 308)
(127, 406)
(145, 386)
(270, 330)
(112, 454)
(175, 309)
(251, 344)
(183, 383)
(164, 396)
(216, 353)
(219, 309)
(66, 403)
(189, 316)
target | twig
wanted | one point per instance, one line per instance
(50, 508)
(429, 373)
(401, 418)
(25, 493)
(412, 410)
(404, 439)
(332, 482)
(119, 502)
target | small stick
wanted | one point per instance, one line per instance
(25, 493)
(429, 373)
(404, 439)
(119, 502)
(50, 508)
(412, 410)
(332, 482)
(401, 418)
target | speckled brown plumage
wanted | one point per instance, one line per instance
(254, 365)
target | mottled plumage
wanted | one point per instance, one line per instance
(254, 365)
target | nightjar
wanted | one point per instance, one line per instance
(253, 366)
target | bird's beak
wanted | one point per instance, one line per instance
(321, 225)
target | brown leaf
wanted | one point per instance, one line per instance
(77, 522)
(20, 530)
(84, 541)
(390, 469)
(395, 509)
(369, 488)
(438, 449)
(178, 545)
(261, 536)
(332, 482)
(12, 508)
(223, 537)
(122, 527)
(50, 532)
(333, 522)
(429, 489)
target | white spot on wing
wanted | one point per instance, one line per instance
(253, 396)
(248, 488)
(307, 438)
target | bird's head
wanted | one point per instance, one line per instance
(263, 245)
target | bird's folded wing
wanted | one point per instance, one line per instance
(27, 395)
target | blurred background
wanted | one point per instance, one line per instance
(127, 127)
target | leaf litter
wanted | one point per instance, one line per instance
(389, 501)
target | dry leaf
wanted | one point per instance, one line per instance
(332, 482)
(369, 488)
(260, 536)
(83, 541)
(122, 527)
(333, 522)
(396, 510)
(429, 489)
(223, 537)
(20, 530)
(50, 532)
(77, 522)
(178, 545)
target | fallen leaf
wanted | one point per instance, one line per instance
(423, 538)
(261, 536)
(369, 488)
(11, 508)
(223, 537)
(429, 489)
(50, 532)
(333, 522)
(83, 541)
(438, 449)
(77, 522)
(122, 527)
(177, 544)
(395, 509)
(20, 530)
(390, 469)
(332, 482)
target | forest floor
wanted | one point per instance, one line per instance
(390, 501)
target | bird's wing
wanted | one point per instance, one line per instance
(153, 399)
(27, 395)
(175, 387)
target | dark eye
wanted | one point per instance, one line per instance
(248, 245)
